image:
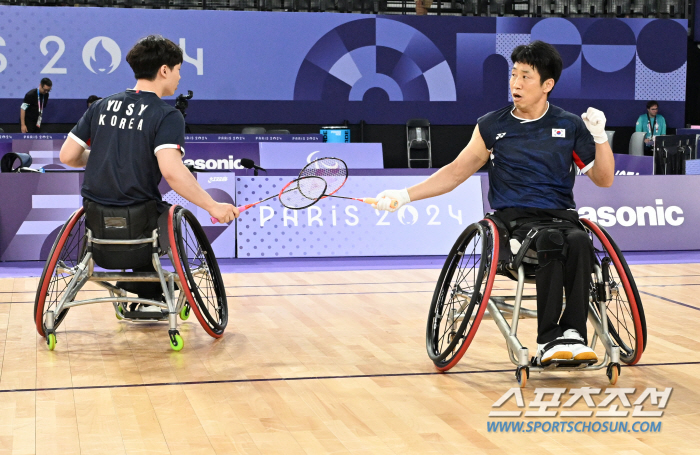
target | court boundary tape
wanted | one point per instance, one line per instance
(301, 378)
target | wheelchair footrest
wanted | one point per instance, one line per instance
(565, 364)
(147, 315)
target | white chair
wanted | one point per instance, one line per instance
(637, 144)
(610, 134)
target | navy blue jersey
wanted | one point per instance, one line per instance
(126, 131)
(533, 162)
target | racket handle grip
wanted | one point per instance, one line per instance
(241, 209)
(371, 200)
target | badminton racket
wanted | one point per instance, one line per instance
(300, 193)
(335, 172)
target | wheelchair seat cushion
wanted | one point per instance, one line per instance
(131, 222)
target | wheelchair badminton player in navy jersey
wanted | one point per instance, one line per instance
(135, 140)
(533, 150)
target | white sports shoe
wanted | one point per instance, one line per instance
(580, 351)
(554, 350)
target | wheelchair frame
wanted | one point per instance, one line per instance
(497, 309)
(83, 272)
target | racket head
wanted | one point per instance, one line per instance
(333, 170)
(302, 192)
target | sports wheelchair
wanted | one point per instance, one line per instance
(119, 238)
(463, 297)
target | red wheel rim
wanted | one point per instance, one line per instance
(484, 300)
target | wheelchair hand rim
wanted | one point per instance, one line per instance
(639, 334)
(185, 284)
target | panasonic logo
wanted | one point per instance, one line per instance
(219, 164)
(630, 216)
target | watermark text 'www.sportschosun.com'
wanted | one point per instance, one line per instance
(573, 427)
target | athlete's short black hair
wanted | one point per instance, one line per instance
(150, 54)
(92, 98)
(46, 81)
(651, 104)
(542, 56)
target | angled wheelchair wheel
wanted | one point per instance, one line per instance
(626, 320)
(461, 294)
(198, 270)
(67, 251)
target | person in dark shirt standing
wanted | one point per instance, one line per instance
(533, 150)
(136, 139)
(33, 106)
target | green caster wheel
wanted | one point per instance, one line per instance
(51, 341)
(176, 342)
(185, 313)
(120, 312)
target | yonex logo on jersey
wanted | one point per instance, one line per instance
(558, 132)
(500, 135)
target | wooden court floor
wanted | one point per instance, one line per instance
(319, 362)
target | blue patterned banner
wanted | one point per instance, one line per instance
(256, 67)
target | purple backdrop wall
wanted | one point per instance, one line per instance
(642, 213)
(325, 68)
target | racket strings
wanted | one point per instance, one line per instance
(333, 170)
(303, 192)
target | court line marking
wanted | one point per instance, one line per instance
(381, 292)
(301, 378)
(289, 295)
(379, 283)
(670, 300)
(269, 286)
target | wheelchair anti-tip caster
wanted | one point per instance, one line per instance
(613, 372)
(119, 312)
(176, 340)
(49, 322)
(51, 340)
(522, 374)
(185, 312)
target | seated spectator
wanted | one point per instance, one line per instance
(422, 7)
(653, 124)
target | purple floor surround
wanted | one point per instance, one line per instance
(34, 268)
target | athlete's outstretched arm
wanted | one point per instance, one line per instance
(183, 182)
(73, 154)
(470, 160)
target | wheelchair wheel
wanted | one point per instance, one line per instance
(461, 294)
(626, 320)
(198, 270)
(67, 251)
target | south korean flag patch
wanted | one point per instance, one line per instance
(558, 132)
